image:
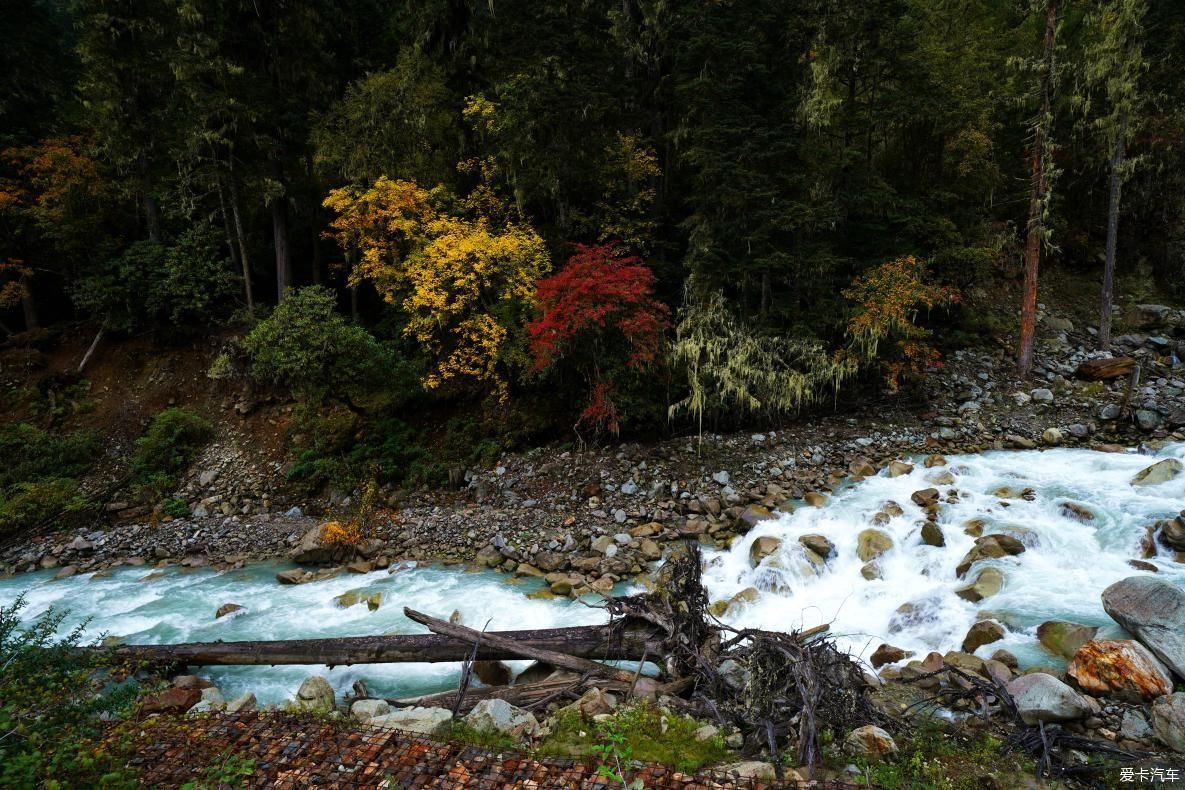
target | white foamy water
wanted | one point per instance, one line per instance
(1061, 577)
(178, 605)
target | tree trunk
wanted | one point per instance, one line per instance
(28, 303)
(519, 648)
(283, 259)
(1117, 158)
(226, 224)
(149, 204)
(242, 236)
(1028, 305)
(611, 643)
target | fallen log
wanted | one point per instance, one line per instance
(527, 695)
(1106, 368)
(626, 642)
(519, 648)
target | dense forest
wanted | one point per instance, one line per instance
(568, 213)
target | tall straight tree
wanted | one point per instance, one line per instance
(1039, 192)
(1115, 62)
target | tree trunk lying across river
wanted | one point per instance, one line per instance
(618, 642)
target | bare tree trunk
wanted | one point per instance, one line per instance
(242, 237)
(280, 235)
(94, 344)
(1117, 158)
(28, 303)
(1028, 305)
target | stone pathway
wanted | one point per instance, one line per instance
(292, 751)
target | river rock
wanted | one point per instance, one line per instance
(373, 600)
(243, 702)
(1120, 668)
(871, 743)
(989, 582)
(366, 709)
(1062, 638)
(934, 460)
(498, 715)
(925, 498)
(872, 543)
(425, 721)
(489, 556)
(762, 548)
(982, 633)
(888, 654)
(756, 771)
(1159, 472)
(1171, 532)
(819, 544)
(861, 467)
(1168, 720)
(228, 608)
(1077, 512)
(171, 700)
(989, 547)
(932, 534)
(1042, 697)
(814, 498)
(754, 514)
(311, 550)
(315, 694)
(1154, 612)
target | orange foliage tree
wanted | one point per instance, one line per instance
(465, 279)
(887, 301)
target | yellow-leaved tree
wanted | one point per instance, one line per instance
(465, 279)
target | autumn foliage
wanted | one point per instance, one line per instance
(888, 299)
(598, 313)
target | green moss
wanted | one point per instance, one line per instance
(635, 732)
(493, 741)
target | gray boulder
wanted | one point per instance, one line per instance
(1159, 472)
(1153, 611)
(1168, 720)
(315, 693)
(498, 715)
(245, 701)
(425, 721)
(366, 709)
(1041, 697)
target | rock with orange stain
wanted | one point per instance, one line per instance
(1121, 668)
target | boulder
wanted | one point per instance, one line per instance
(312, 550)
(932, 534)
(898, 468)
(1120, 668)
(934, 460)
(814, 498)
(870, 742)
(1077, 512)
(754, 514)
(927, 497)
(756, 771)
(550, 561)
(819, 544)
(872, 543)
(982, 633)
(989, 582)
(192, 682)
(1168, 721)
(1153, 611)
(593, 703)
(1171, 532)
(989, 547)
(1159, 472)
(425, 721)
(888, 654)
(1062, 638)
(489, 556)
(243, 702)
(861, 467)
(315, 694)
(171, 700)
(762, 548)
(1042, 697)
(498, 715)
(366, 709)
(228, 608)
(373, 600)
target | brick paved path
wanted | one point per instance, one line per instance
(292, 751)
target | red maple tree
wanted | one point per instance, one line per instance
(600, 313)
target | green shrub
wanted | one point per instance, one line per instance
(166, 449)
(37, 477)
(184, 285)
(307, 346)
(334, 446)
(51, 701)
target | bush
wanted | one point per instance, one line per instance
(37, 477)
(166, 449)
(337, 447)
(51, 701)
(183, 285)
(307, 346)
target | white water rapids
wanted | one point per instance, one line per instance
(1060, 577)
